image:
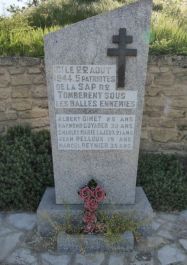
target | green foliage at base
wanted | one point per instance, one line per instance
(25, 168)
(116, 225)
(164, 181)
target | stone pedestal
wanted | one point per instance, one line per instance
(94, 243)
(50, 215)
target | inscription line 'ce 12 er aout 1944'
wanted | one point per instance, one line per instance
(92, 87)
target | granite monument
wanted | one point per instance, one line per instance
(96, 72)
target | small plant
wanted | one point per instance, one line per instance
(117, 224)
(92, 194)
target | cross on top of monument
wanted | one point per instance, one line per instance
(122, 39)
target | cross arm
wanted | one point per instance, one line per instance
(131, 52)
(112, 52)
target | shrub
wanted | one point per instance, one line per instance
(22, 33)
(169, 35)
(25, 168)
(17, 38)
(63, 12)
(164, 181)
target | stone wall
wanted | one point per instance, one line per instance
(164, 125)
(23, 93)
(23, 100)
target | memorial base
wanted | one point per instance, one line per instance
(50, 216)
(94, 243)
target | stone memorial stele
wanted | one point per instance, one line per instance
(96, 72)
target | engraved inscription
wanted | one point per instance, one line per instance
(90, 86)
(95, 132)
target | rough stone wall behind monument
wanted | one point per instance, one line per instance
(23, 100)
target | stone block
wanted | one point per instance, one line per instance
(175, 91)
(5, 79)
(20, 92)
(164, 135)
(38, 79)
(149, 79)
(153, 91)
(182, 124)
(93, 243)
(170, 254)
(8, 116)
(164, 79)
(21, 105)
(39, 91)
(154, 69)
(14, 70)
(179, 102)
(8, 243)
(30, 61)
(183, 243)
(155, 101)
(116, 259)
(91, 259)
(49, 259)
(144, 134)
(173, 113)
(178, 70)
(4, 92)
(22, 256)
(164, 69)
(40, 103)
(21, 79)
(34, 70)
(38, 123)
(21, 221)
(50, 214)
(34, 113)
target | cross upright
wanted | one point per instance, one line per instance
(122, 39)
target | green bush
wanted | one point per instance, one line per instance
(17, 38)
(23, 32)
(169, 35)
(164, 181)
(25, 168)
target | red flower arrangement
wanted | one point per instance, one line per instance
(92, 194)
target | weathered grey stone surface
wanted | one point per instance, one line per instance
(116, 259)
(91, 259)
(48, 259)
(170, 254)
(8, 243)
(183, 242)
(147, 250)
(22, 257)
(50, 214)
(86, 42)
(93, 243)
(183, 216)
(141, 258)
(22, 220)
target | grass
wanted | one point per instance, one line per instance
(17, 38)
(169, 35)
(22, 33)
(26, 170)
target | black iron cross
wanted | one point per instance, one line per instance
(122, 39)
